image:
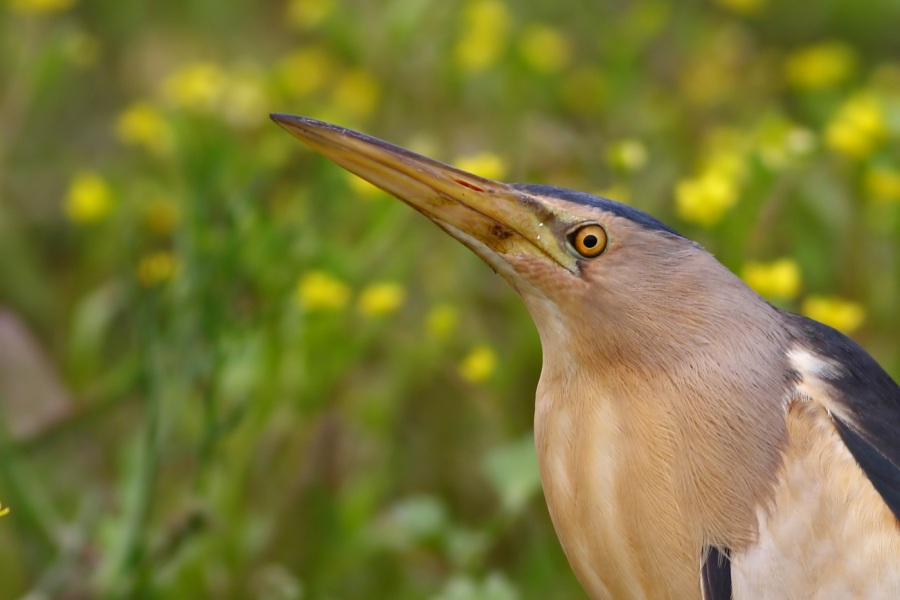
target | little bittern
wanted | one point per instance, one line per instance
(693, 440)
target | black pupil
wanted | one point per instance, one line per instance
(589, 241)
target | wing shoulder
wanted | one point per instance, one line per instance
(863, 402)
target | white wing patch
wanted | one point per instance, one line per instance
(809, 364)
(815, 372)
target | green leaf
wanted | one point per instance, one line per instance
(411, 521)
(513, 471)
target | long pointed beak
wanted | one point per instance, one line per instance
(489, 217)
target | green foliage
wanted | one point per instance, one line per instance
(230, 370)
(513, 471)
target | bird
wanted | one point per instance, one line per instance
(693, 440)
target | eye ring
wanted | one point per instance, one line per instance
(589, 241)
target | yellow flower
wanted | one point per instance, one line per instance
(39, 7)
(479, 364)
(583, 90)
(729, 164)
(858, 128)
(820, 66)
(705, 199)
(196, 86)
(545, 49)
(142, 124)
(441, 321)
(4, 510)
(356, 94)
(743, 7)
(89, 198)
(318, 290)
(381, 299)
(778, 279)
(306, 14)
(628, 155)
(882, 183)
(486, 28)
(485, 164)
(841, 314)
(157, 268)
(305, 71)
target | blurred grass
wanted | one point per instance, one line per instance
(229, 370)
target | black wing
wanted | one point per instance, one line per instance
(715, 577)
(870, 400)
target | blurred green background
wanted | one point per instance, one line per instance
(230, 370)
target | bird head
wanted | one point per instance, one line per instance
(593, 272)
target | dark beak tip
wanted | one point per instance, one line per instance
(281, 118)
(285, 119)
(297, 124)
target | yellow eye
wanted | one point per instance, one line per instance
(589, 241)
